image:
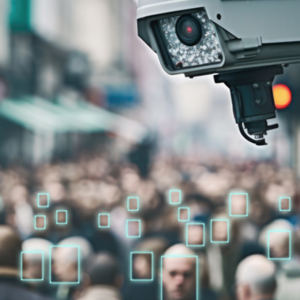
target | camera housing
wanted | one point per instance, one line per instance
(230, 38)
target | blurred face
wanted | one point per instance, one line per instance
(56, 190)
(259, 212)
(243, 292)
(285, 204)
(62, 217)
(34, 270)
(32, 265)
(220, 231)
(130, 180)
(63, 267)
(279, 244)
(141, 266)
(179, 278)
(239, 204)
(134, 228)
(195, 235)
(18, 194)
(40, 222)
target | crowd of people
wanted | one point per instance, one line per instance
(239, 269)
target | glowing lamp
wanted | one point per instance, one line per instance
(282, 96)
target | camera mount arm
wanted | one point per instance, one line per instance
(252, 100)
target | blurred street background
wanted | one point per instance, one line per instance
(88, 115)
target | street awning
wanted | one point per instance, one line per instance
(40, 115)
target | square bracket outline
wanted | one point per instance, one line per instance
(290, 204)
(152, 266)
(137, 203)
(187, 236)
(186, 220)
(21, 266)
(50, 265)
(38, 200)
(56, 215)
(290, 244)
(247, 205)
(211, 231)
(179, 256)
(108, 220)
(170, 196)
(140, 229)
(45, 222)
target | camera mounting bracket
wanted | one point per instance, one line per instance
(252, 100)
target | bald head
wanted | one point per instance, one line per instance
(179, 273)
(179, 249)
(255, 278)
(68, 254)
(10, 247)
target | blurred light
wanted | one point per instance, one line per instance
(189, 29)
(282, 96)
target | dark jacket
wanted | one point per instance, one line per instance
(101, 292)
(11, 288)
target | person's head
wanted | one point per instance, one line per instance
(255, 278)
(10, 249)
(200, 205)
(65, 258)
(103, 269)
(179, 273)
(142, 263)
(277, 242)
(32, 262)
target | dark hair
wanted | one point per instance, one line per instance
(102, 269)
(267, 286)
(10, 247)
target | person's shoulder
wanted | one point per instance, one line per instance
(32, 295)
(13, 291)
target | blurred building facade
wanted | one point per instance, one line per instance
(67, 51)
(64, 52)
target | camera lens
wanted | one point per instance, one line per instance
(188, 30)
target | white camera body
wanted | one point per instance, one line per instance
(235, 34)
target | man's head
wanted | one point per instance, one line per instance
(32, 261)
(277, 242)
(65, 258)
(103, 269)
(10, 249)
(255, 277)
(179, 273)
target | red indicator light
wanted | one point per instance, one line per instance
(189, 29)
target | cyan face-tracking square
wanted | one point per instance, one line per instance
(65, 212)
(174, 194)
(187, 234)
(131, 266)
(41, 278)
(100, 216)
(47, 196)
(77, 281)
(179, 256)
(211, 231)
(231, 214)
(180, 209)
(128, 222)
(281, 199)
(270, 232)
(133, 201)
(36, 222)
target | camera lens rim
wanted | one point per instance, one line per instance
(184, 23)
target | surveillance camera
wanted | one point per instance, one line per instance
(246, 42)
